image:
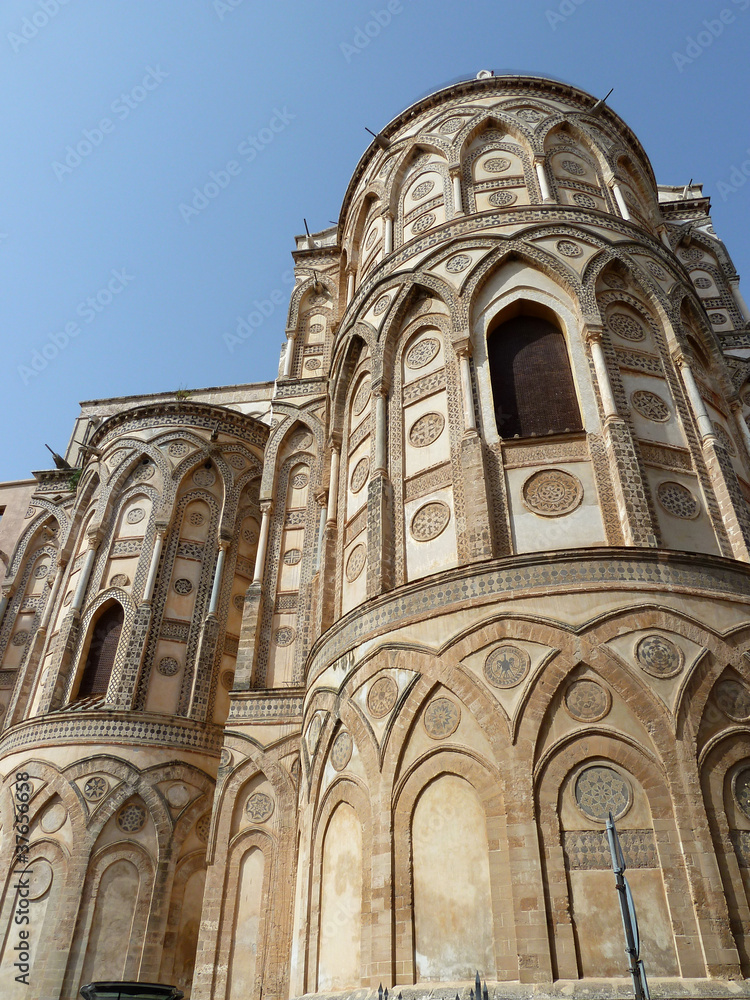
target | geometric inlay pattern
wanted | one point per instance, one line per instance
(571, 167)
(658, 656)
(183, 586)
(382, 697)
(168, 666)
(430, 521)
(423, 223)
(677, 500)
(584, 200)
(381, 305)
(259, 807)
(426, 429)
(131, 818)
(497, 165)
(506, 666)
(285, 636)
(422, 189)
(588, 850)
(361, 397)
(587, 701)
(650, 406)
(552, 492)
(600, 791)
(135, 515)
(733, 699)
(500, 198)
(441, 718)
(422, 353)
(458, 263)
(292, 557)
(341, 752)
(724, 439)
(204, 477)
(568, 248)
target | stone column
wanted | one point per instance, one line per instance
(7, 593)
(380, 505)
(289, 356)
(218, 575)
(349, 285)
(544, 187)
(83, 579)
(266, 508)
(458, 208)
(380, 430)
(321, 498)
(609, 406)
(734, 284)
(387, 233)
(467, 396)
(148, 592)
(741, 424)
(705, 428)
(333, 485)
(620, 199)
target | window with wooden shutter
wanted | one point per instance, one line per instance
(532, 384)
(102, 650)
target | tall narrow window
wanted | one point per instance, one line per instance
(102, 651)
(531, 381)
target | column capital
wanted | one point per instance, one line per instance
(380, 388)
(463, 347)
(266, 507)
(321, 497)
(593, 334)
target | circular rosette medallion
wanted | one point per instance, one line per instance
(341, 753)
(733, 699)
(587, 701)
(506, 666)
(659, 656)
(441, 718)
(259, 807)
(382, 697)
(552, 493)
(600, 791)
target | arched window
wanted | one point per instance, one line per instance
(531, 381)
(102, 649)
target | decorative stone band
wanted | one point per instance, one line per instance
(642, 570)
(259, 707)
(113, 729)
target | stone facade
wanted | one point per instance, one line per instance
(380, 673)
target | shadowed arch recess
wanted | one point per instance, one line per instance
(102, 651)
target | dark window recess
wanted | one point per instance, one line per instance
(531, 381)
(102, 651)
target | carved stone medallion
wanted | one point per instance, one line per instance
(135, 515)
(236, 461)
(677, 500)
(430, 521)
(552, 492)
(501, 198)
(300, 480)
(426, 429)
(381, 305)
(568, 248)
(496, 164)
(53, 818)
(178, 448)
(423, 223)
(204, 477)
(259, 807)
(196, 519)
(584, 200)
(361, 396)
(422, 353)
(572, 167)
(422, 190)
(40, 878)
(650, 405)
(659, 656)
(312, 364)
(451, 125)
(21, 637)
(587, 701)
(382, 697)
(506, 666)
(203, 827)
(458, 263)
(600, 791)
(292, 557)
(178, 795)
(168, 666)
(285, 636)
(95, 788)
(733, 698)
(441, 718)
(41, 571)
(227, 679)
(119, 580)
(131, 818)
(341, 752)
(356, 562)
(625, 326)
(183, 586)
(239, 601)
(360, 475)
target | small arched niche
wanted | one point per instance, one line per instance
(532, 384)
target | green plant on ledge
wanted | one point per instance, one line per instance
(183, 393)
(74, 479)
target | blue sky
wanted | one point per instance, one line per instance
(113, 111)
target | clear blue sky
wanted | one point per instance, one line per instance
(186, 84)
